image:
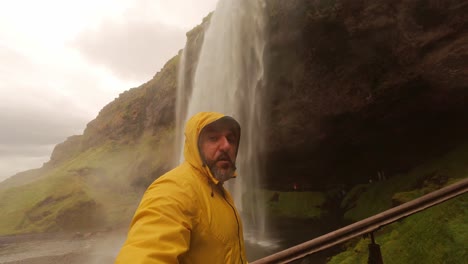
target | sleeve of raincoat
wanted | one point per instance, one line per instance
(160, 230)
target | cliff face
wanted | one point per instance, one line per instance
(358, 87)
(147, 108)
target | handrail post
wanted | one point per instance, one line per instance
(375, 256)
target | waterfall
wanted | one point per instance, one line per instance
(229, 79)
(182, 97)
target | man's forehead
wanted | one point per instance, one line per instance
(221, 127)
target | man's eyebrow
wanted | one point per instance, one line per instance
(215, 128)
(209, 129)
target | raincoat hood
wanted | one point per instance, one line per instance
(193, 129)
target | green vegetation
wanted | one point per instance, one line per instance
(294, 204)
(366, 200)
(92, 190)
(436, 235)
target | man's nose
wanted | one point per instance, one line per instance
(224, 143)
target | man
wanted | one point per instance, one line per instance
(186, 215)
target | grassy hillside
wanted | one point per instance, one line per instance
(95, 180)
(436, 235)
(99, 188)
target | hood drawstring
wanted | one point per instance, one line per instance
(211, 185)
(209, 182)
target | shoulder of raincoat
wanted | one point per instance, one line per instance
(183, 216)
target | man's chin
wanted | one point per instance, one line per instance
(222, 174)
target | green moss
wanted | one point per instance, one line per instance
(353, 195)
(294, 204)
(356, 254)
(376, 198)
(94, 187)
(32, 207)
(403, 197)
(366, 200)
(60, 213)
(436, 235)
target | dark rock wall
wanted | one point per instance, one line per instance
(361, 86)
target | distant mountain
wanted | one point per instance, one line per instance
(354, 90)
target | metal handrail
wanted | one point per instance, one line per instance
(367, 225)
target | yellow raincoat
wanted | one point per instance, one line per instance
(183, 217)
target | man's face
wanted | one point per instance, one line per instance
(218, 147)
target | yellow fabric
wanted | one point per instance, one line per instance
(179, 220)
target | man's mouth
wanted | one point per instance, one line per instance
(224, 161)
(223, 157)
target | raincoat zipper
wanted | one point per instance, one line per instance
(238, 226)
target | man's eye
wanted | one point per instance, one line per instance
(213, 138)
(231, 139)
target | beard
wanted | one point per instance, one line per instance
(222, 174)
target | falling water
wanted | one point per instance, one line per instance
(182, 97)
(229, 79)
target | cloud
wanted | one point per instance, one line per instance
(26, 150)
(37, 126)
(134, 50)
(11, 164)
(41, 105)
(147, 35)
(183, 12)
(30, 115)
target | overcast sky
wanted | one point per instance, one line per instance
(61, 61)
